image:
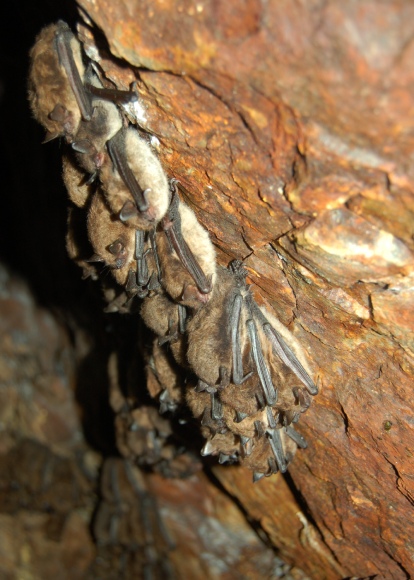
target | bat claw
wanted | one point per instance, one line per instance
(207, 449)
(223, 458)
(257, 476)
(240, 416)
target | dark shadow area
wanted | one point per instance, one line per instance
(33, 212)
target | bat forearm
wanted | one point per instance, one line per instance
(187, 259)
(121, 165)
(63, 38)
(262, 369)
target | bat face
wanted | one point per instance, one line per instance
(113, 242)
(92, 136)
(135, 184)
(56, 93)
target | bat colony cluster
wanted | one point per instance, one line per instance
(247, 378)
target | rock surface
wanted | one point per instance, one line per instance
(291, 126)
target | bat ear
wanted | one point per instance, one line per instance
(95, 258)
(84, 146)
(49, 137)
(129, 210)
(116, 247)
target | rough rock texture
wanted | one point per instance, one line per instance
(68, 512)
(291, 125)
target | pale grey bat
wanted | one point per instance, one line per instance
(135, 184)
(186, 254)
(284, 345)
(276, 354)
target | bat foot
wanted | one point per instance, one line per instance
(257, 476)
(240, 416)
(167, 403)
(223, 458)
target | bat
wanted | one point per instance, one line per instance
(77, 243)
(79, 189)
(112, 241)
(168, 377)
(92, 136)
(218, 336)
(167, 320)
(277, 356)
(128, 520)
(186, 254)
(56, 92)
(135, 184)
(71, 102)
(145, 278)
(285, 346)
(106, 121)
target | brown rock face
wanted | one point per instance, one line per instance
(291, 126)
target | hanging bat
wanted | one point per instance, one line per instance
(79, 189)
(92, 136)
(106, 121)
(128, 519)
(77, 243)
(272, 452)
(215, 349)
(135, 184)
(168, 321)
(187, 256)
(57, 95)
(169, 379)
(277, 355)
(112, 241)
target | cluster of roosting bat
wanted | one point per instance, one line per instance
(247, 377)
